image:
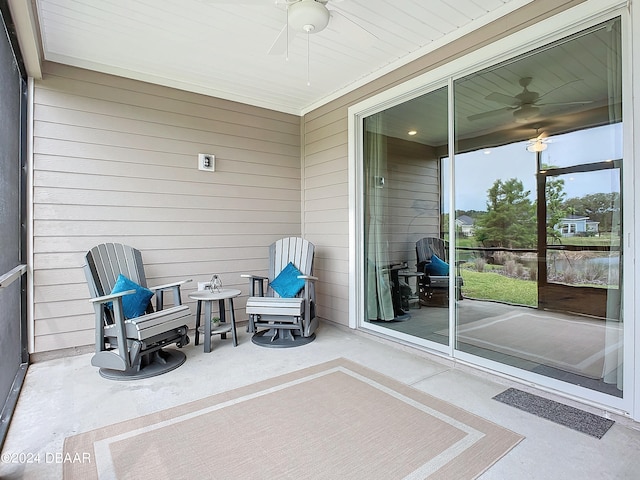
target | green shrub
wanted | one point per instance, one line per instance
(510, 268)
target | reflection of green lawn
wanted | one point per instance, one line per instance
(489, 285)
(493, 286)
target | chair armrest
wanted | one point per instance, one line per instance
(422, 266)
(116, 317)
(308, 277)
(307, 291)
(169, 285)
(111, 297)
(159, 292)
(253, 280)
(254, 277)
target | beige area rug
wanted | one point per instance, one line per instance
(572, 344)
(336, 420)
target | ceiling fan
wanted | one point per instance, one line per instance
(313, 16)
(525, 105)
(310, 17)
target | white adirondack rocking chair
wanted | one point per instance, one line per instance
(285, 319)
(431, 286)
(132, 348)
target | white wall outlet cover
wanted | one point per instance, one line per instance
(207, 162)
(203, 285)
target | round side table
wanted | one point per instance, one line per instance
(208, 297)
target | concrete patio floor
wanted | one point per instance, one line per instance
(66, 396)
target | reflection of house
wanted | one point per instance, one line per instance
(573, 225)
(464, 224)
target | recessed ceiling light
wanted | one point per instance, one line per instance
(412, 132)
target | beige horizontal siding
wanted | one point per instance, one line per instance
(115, 160)
(326, 218)
(414, 198)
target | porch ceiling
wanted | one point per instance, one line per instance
(220, 47)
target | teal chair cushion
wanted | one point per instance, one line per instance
(134, 305)
(437, 267)
(287, 284)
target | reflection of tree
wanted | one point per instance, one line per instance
(510, 219)
(556, 210)
(599, 207)
(511, 216)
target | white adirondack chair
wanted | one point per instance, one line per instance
(277, 321)
(130, 348)
(431, 286)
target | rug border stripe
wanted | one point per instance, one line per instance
(496, 442)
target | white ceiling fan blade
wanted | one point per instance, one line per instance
(240, 2)
(584, 102)
(356, 33)
(560, 87)
(502, 98)
(279, 45)
(489, 114)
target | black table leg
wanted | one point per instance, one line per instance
(207, 326)
(223, 317)
(233, 323)
(198, 312)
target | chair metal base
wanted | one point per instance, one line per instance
(280, 338)
(170, 360)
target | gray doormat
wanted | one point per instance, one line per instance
(571, 417)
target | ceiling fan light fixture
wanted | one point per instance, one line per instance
(537, 147)
(308, 16)
(538, 143)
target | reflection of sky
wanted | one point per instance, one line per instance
(476, 172)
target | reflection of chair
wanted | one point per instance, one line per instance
(129, 334)
(432, 259)
(400, 291)
(285, 317)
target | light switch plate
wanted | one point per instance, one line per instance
(207, 162)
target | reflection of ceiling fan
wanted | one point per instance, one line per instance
(525, 105)
(538, 144)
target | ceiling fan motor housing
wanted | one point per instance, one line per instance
(526, 112)
(308, 16)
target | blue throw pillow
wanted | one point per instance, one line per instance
(135, 304)
(287, 284)
(438, 267)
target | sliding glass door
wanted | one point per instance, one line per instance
(403, 206)
(492, 214)
(543, 188)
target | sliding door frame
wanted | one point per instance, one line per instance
(18, 362)
(590, 13)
